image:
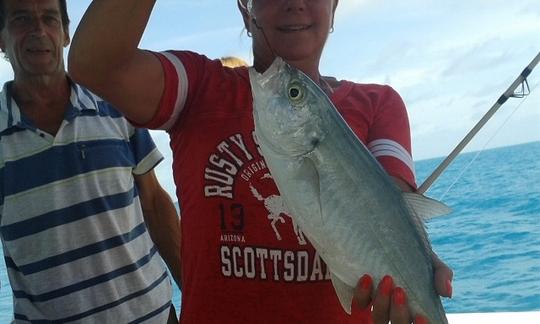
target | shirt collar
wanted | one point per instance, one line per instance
(10, 115)
(81, 101)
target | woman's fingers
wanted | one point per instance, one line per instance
(381, 303)
(443, 277)
(399, 309)
(390, 303)
(420, 320)
(362, 294)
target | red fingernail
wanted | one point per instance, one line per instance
(420, 320)
(449, 288)
(366, 282)
(399, 296)
(387, 284)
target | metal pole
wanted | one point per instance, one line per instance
(504, 97)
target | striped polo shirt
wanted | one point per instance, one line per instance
(75, 244)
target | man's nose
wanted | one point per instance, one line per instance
(37, 27)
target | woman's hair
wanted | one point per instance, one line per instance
(232, 61)
(247, 6)
(242, 4)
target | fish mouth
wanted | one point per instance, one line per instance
(262, 79)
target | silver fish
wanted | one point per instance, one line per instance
(358, 220)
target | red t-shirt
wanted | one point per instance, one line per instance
(242, 260)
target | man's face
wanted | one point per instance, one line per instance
(33, 37)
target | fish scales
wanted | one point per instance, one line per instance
(342, 199)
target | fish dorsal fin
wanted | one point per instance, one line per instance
(344, 292)
(424, 207)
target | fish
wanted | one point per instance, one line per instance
(353, 214)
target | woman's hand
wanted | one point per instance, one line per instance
(390, 302)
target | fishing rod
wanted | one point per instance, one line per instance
(509, 93)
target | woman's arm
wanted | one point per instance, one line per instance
(104, 56)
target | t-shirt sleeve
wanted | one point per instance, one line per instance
(389, 138)
(145, 152)
(184, 72)
(174, 93)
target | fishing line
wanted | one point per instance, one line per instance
(249, 9)
(509, 93)
(523, 97)
(322, 83)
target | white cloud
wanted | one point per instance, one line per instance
(186, 40)
(347, 8)
(449, 60)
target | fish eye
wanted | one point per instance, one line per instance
(295, 91)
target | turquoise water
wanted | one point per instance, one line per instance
(491, 240)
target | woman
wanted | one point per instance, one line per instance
(243, 260)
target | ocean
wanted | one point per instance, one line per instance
(491, 239)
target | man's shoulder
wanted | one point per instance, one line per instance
(85, 99)
(6, 116)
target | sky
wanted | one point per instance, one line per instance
(449, 60)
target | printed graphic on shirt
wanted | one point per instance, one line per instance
(272, 264)
(236, 165)
(276, 211)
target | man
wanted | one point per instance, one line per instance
(76, 186)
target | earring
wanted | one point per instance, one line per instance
(331, 29)
(248, 33)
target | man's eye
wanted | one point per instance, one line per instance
(51, 20)
(21, 19)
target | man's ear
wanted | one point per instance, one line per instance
(67, 40)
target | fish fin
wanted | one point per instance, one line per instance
(425, 207)
(344, 292)
(308, 170)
